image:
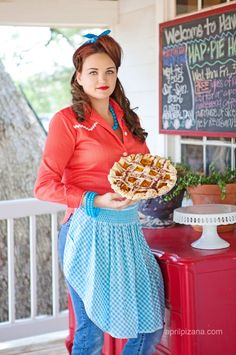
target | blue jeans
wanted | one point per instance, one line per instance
(88, 339)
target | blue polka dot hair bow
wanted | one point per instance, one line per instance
(93, 38)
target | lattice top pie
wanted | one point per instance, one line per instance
(142, 176)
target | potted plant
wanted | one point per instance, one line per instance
(158, 212)
(216, 187)
(195, 182)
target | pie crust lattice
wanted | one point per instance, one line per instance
(142, 176)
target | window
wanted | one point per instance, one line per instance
(199, 152)
(186, 6)
(208, 3)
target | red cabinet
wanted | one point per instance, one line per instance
(200, 294)
(200, 291)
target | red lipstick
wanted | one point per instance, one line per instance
(103, 87)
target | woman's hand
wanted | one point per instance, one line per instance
(112, 200)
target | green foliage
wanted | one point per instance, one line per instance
(182, 171)
(48, 93)
(46, 83)
(189, 178)
(73, 36)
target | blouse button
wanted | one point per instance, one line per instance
(125, 154)
(125, 133)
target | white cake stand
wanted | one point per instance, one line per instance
(209, 217)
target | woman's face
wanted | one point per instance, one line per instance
(98, 76)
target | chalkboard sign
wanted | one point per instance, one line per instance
(198, 74)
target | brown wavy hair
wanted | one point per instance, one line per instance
(80, 100)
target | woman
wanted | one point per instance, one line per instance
(114, 281)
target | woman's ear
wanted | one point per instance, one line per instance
(78, 75)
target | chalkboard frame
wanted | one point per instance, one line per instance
(179, 21)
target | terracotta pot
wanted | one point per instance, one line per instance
(210, 194)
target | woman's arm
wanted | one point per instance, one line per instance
(59, 148)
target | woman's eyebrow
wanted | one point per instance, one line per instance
(97, 68)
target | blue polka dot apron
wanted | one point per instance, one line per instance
(110, 265)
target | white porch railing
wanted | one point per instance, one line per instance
(34, 325)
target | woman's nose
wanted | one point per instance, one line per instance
(101, 78)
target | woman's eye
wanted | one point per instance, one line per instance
(93, 72)
(110, 72)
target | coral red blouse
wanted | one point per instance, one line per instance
(78, 157)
